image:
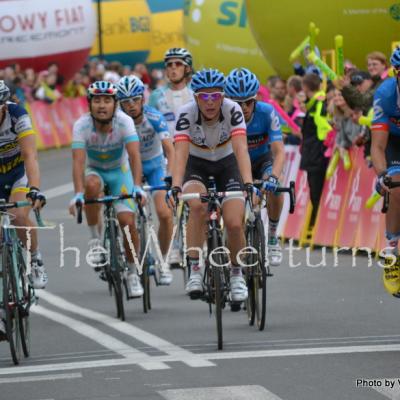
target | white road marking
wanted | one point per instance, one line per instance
(253, 392)
(178, 353)
(385, 389)
(38, 378)
(103, 339)
(59, 191)
(207, 356)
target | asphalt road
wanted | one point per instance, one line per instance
(327, 327)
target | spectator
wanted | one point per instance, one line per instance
(54, 69)
(277, 88)
(312, 148)
(75, 87)
(377, 67)
(47, 90)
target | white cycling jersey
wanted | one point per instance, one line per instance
(105, 150)
(210, 142)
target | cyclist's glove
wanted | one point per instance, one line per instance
(35, 194)
(77, 199)
(249, 188)
(380, 181)
(271, 183)
(138, 193)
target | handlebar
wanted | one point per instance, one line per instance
(20, 204)
(290, 189)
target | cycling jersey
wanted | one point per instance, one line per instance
(105, 150)
(168, 101)
(387, 108)
(262, 130)
(16, 125)
(152, 130)
(211, 143)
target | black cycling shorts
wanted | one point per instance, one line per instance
(225, 171)
(393, 151)
(262, 166)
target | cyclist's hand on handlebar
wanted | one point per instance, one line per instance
(36, 197)
(252, 191)
(77, 199)
(140, 195)
(270, 184)
(380, 186)
(172, 196)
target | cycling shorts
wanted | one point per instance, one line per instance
(393, 151)
(154, 171)
(13, 182)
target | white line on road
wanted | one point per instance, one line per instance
(59, 191)
(40, 378)
(103, 339)
(207, 356)
(178, 353)
(253, 392)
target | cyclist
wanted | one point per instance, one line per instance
(20, 178)
(385, 153)
(210, 139)
(167, 99)
(264, 139)
(107, 138)
(155, 141)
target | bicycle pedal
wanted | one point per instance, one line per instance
(175, 266)
(270, 274)
(196, 295)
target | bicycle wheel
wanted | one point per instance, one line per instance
(249, 274)
(260, 275)
(216, 284)
(116, 280)
(25, 304)
(10, 302)
(145, 278)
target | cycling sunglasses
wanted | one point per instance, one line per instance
(170, 64)
(214, 96)
(131, 100)
(247, 102)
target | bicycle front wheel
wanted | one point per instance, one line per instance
(10, 303)
(145, 277)
(24, 307)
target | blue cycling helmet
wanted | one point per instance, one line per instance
(241, 83)
(4, 92)
(101, 88)
(129, 86)
(395, 58)
(207, 79)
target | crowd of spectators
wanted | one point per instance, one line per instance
(49, 85)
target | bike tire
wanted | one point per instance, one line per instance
(217, 288)
(260, 277)
(24, 307)
(116, 280)
(249, 274)
(145, 277)
(10, 302)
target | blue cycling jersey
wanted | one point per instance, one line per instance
(263, 129)
(387, 108)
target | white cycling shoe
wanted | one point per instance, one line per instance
(238, 288)
(38, 276)
(174, 257)
(96, 256)
(135, 288)
(194, 286)
(274, 252)
(165, 277)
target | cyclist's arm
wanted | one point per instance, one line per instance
(135, 161)
(239, 146)
(78, 169)
(169, 151)
(29, 154)
(379, 140)
(181, 157)
(278, 153)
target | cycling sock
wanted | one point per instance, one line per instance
(94, 231)
(236, 270)
(392, 243)
(194, 265)
(272, 227)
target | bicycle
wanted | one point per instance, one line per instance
(17, 295)
(115, 266)
(258, 271)
(216, 279)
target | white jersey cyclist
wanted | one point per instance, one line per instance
(169, 98)
(211, 143)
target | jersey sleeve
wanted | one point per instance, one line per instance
(274, 127)
(159, 124)
(78, 136)
(22, 122)
(237, 122)
(380, 121)
(128, 129)
(182, 127)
